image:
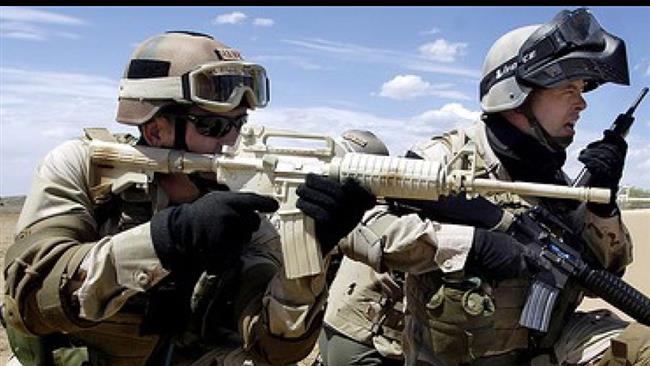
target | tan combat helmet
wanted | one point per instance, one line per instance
(187, 68)
(359, 141)
(571, 46)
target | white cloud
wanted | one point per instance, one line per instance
(235, 17)
(25, 36)
(40, 109)
(25, 24)
(450, 115)
(21, 14)
(430, 31)
(28, 29)
(647, 71)
(263, 22)
(356, 53)
(405, 87)
(443, 51)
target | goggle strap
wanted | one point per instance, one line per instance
(524, 60)
(185, 86)
(503, 71)
(170, 87)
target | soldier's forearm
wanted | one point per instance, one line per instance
(117, 268)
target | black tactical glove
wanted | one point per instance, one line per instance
(208, 233)
(335, 207)
(496, 256)
(605, 159)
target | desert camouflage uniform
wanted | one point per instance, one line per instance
(367, 307)
(83, 275)
(465, 320)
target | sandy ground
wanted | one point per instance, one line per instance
(637, 274)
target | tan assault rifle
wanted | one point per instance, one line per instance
(254, 164)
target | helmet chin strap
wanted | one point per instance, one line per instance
(553, 144)
(179, 134)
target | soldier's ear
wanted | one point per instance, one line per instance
(158, 132)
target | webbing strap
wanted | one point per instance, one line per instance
(54, 309)
(67, 226)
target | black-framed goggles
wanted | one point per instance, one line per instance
(572, 46)
(217, 86)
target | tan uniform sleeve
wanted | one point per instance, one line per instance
(608, 239)
(409, 244)
(279, 318)
(115, 269)
(56, 234)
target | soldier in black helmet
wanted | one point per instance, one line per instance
(174, 271)
(466, 285)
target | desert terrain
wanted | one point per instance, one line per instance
(637, 274)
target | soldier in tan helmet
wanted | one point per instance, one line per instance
(466, 283)
(175, 272)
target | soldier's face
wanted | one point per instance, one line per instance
(558, 109)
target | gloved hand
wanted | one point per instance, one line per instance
(496, 256)
(335, 207)
(208, 233)
(605, 159)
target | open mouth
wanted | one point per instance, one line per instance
(570, 127)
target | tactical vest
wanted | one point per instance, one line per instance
(469, 321)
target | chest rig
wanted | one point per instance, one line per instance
(470, 321)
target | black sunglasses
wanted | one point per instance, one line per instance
(215, 126)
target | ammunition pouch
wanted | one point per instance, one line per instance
(460, 320)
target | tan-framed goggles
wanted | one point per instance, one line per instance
(218, 86)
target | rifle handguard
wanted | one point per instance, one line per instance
(396, 177)
(618, 293)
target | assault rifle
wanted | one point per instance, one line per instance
(557, 262)
(552, 260)
(257, 165)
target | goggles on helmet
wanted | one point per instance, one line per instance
(217, 87)
(572, 46)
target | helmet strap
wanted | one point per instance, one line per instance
(179, 134)
(554, 144)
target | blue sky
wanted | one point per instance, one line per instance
(403, 72)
